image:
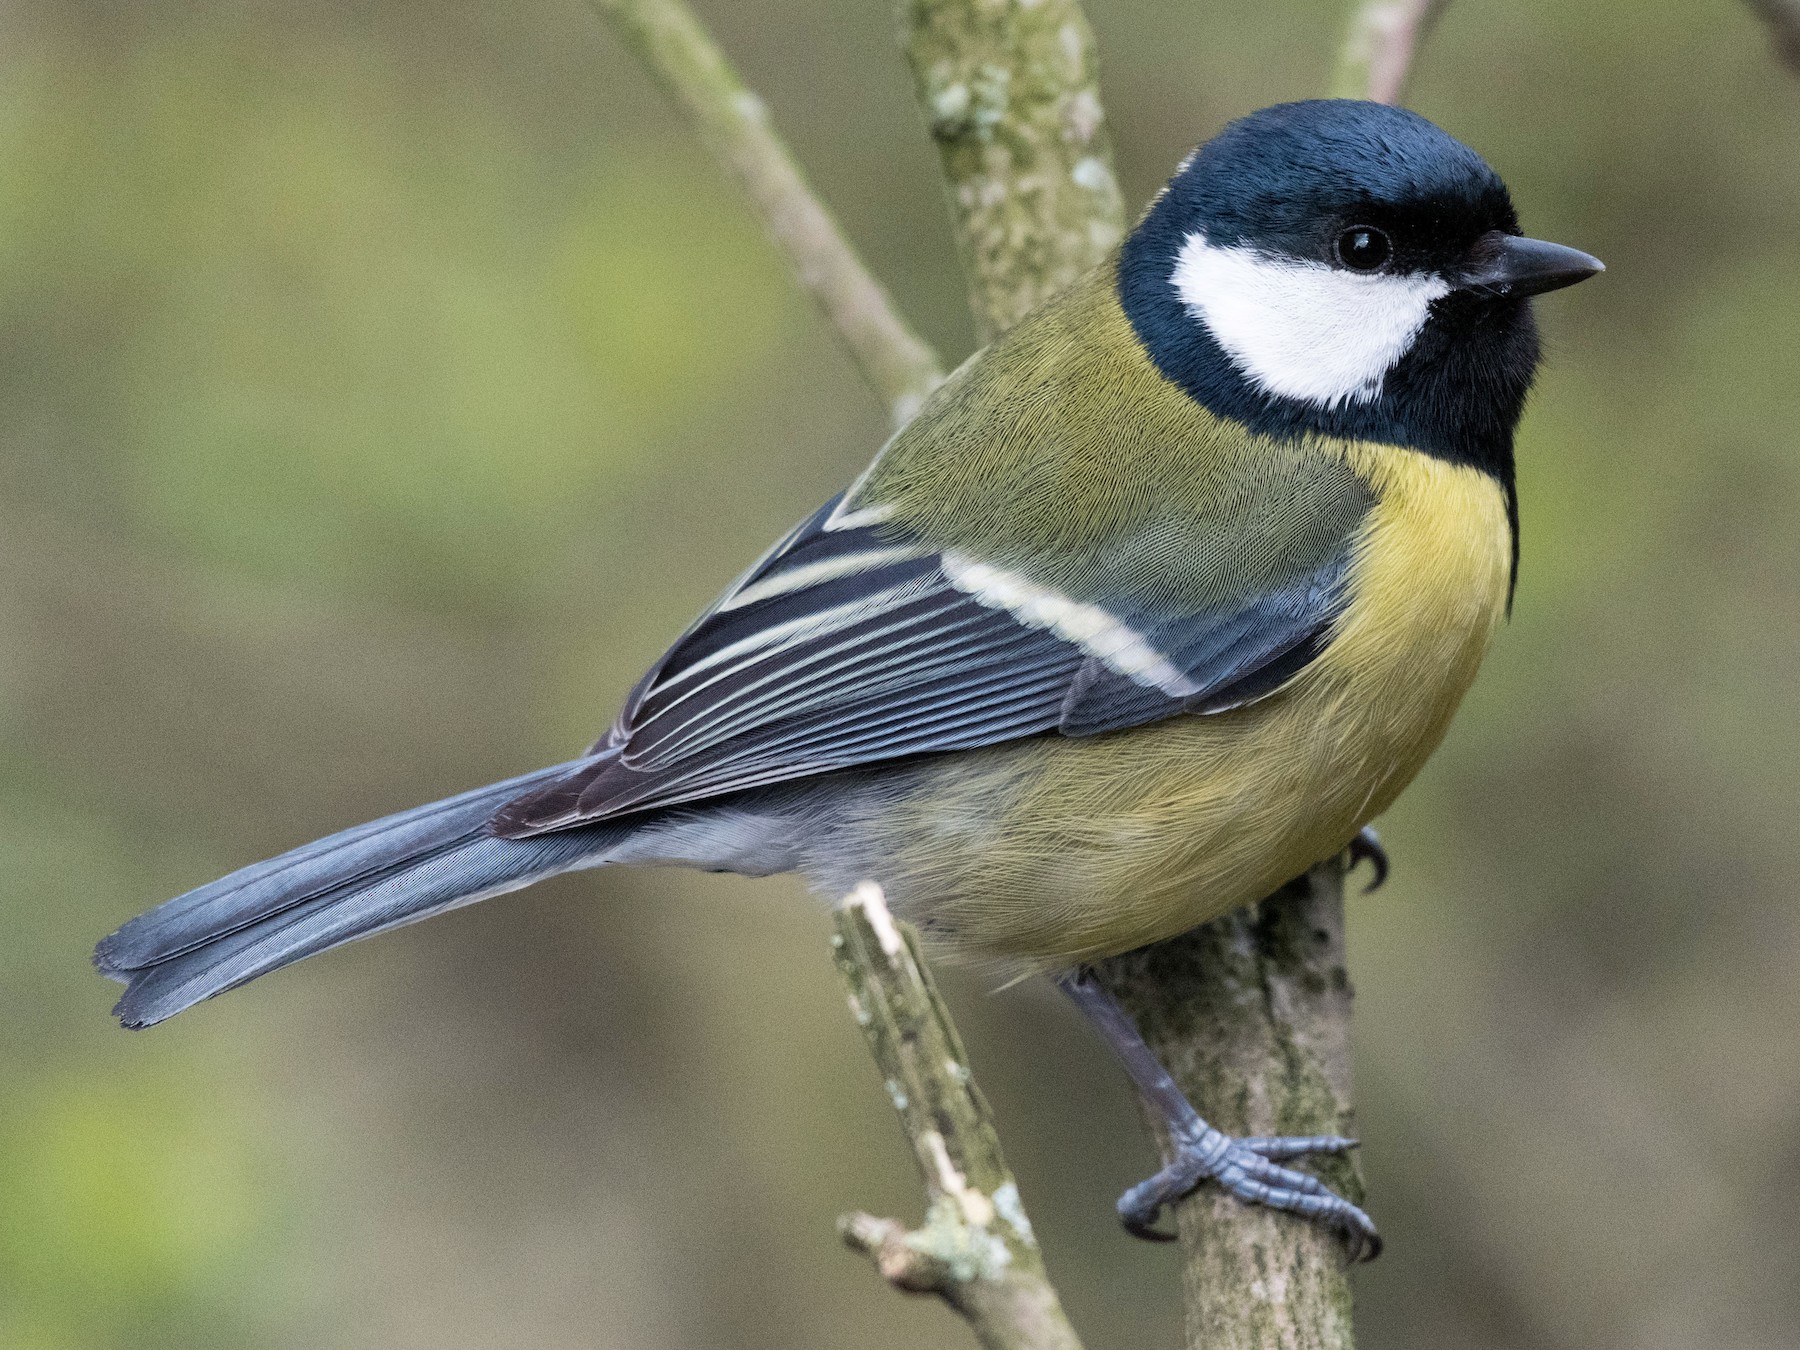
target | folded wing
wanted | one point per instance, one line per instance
(854, 642)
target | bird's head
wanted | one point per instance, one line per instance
(1345, 268)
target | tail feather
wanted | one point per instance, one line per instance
(350, 885)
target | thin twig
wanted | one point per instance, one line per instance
(1011, 94)
(976, 1250)
(1783, 18)
(1377, 55)
(734, 124)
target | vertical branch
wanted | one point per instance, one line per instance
(1251, 1014)
(1010, 91)
(1384, 37)
(734, 124)
(976, 1249)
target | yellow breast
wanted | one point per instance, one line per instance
(1059, 850)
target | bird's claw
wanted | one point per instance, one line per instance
(1367, 847)
(1250, 1170)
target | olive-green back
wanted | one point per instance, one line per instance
(1063, 452)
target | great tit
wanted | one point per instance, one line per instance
(1158, 601)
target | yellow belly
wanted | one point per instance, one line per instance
(1099, 845)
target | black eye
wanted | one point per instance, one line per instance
(1363, 248)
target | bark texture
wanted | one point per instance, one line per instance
(1252, 1016)
(1244, 1012)
(1010, 91)
(976, 1249)
(1250, 1013)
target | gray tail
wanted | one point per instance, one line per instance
(363, 881)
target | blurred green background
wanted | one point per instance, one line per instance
(385, 383)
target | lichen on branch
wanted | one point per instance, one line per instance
(976, 1249)
(1011, 94)
(1251, 1014)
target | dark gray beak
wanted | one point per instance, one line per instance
(1513, 267)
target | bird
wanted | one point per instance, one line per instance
(1159, 600)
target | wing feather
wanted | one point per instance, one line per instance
(853, 644)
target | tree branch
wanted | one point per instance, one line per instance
(734, 125)
(1251, 1014)
(1011, 94)
(1783, 19)
(975, 1250)
(1384, 37)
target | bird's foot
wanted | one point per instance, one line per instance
(1250, 1169)
(1367, 847)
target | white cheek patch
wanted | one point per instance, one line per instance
(1304, 330)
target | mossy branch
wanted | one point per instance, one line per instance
(734, 124)
(1011, 94)
(1251, 1014)
(975, 1250)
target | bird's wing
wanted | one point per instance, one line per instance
(854, 643)
(1061, 542)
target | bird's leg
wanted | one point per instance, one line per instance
(1367, 847)
(1248, 1168)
